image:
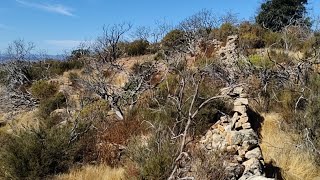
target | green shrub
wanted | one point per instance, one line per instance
(203, 62)
(51, 68)
(316, 43)
(224, 31)
(3, 77)
(97, 110)
(272, 39)
(137, 47)
(51, 104)
(173, 39)
(43, 89)
(36, 153)
(308, 45)
(172, 81)
(154, 158)
(159, 56)
(260, 61)
(154, 48)
(280, 57)
(250, 35)
(59, 67)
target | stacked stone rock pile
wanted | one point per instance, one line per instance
(236, 136)
(230, 51)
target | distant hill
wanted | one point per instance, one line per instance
(34, 57)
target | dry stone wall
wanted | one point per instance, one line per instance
(235, 135)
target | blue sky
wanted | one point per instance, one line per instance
(58, 25)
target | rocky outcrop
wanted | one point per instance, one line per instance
(229, 53)
(235, 135)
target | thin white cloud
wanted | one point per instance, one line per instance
(64, 43)
(54, 8)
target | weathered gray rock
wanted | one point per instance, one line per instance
(238, 90)
(238, 126)
(241, 101)
(242, 153)
(253, 167)
(224, 119)
(250, 144)
(206, 137)
(234, 170)
(244, 118)
(244, 95)
(246, 126)
(240, 109)
(254, 153)
(228, 128)
(234, 119)
(238, 137)
(239, 159)
(232, 149)
(217, 141)
(208, 146)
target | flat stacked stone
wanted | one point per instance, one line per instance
(236, 136)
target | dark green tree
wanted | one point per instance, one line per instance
(275, 14)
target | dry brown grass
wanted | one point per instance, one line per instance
(128, 62)
(101, 172)
(280, 148)
(19, 120)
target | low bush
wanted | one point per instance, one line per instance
(137, 47)
(113, 134)
(224, 31)
(48, 105)
(316, 42)
(51, 68)
(43, 89)
(3, 77)
(280, 57)
(59, 67)
(109, 133)
(272, 39)
(250, 35)
(96, 111)
(204, 62)
(154, 156)
(210, 113)
(173, 39)
(260, 61)
(159, 56)
(36, 153)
